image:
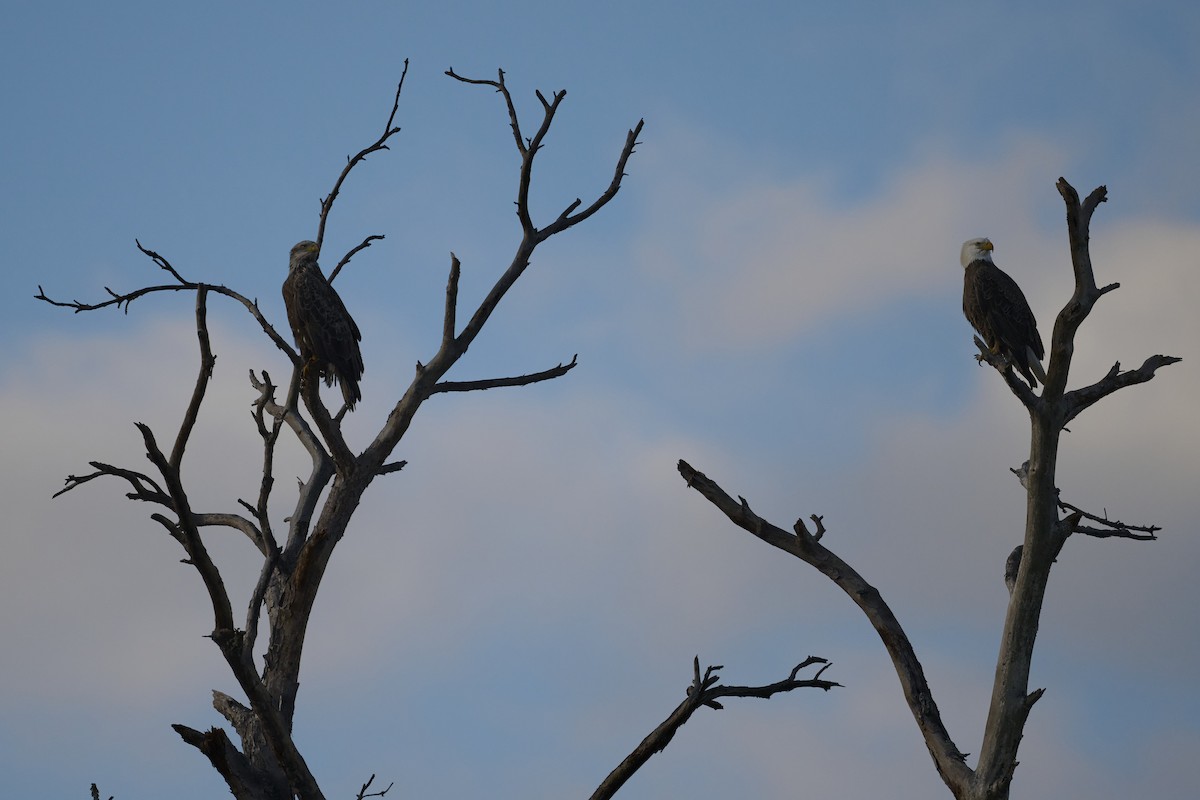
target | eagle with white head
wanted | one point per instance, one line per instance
(996, 307)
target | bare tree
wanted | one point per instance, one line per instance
(1028, 568)
(267, 764)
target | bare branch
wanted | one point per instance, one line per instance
(1075, 402)
(190, 536)
(428, 375)
(144, 487)
(948, 759)
(493, 383)
(330, 427)
(118, 300)
(346, 258)
(379, 144)
(234, 521)
(243, 780)
(500, 87)
(566, 219)
(448, 320)
(258, 596)
(1110, 528)
(362, 793)
(287, 413)
(705, 690)
(207, 362)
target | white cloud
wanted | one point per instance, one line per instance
(754, 259)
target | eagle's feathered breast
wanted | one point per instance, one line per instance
(324, 330)
(996, 307)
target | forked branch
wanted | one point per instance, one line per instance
(1078, 400)
(705, 690)
(389, 130)
(802, 544)
(183, 285)
(454, 342)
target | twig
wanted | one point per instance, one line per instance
(362, 793)
(346, 258)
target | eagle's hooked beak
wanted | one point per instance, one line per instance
(987, 245)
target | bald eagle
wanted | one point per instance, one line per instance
(995, 306)
(325, 333)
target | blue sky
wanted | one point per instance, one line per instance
(773, 296)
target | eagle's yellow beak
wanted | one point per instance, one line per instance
(986, 244)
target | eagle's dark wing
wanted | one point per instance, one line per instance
(995, 305)
(324, 329)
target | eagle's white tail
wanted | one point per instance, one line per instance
(1035, 365)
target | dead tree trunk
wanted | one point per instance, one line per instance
(1045, 534)
(265, 763)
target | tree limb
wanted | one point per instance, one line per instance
(207, 362)
(493, 383)
(361, 246)
(453, 346)
(948, 759)
(363, 794)
(351, 163)
(1075, 402)
(118, 300)
(144, 487)
(704, 691)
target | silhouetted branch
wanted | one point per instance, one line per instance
(362, 793)
(125, 299)
(948, 759)
(144, 487)
(379, 144)
(207, 361)
(449, 322)
(493, 383)
(704, 691)
(346, 258)
(500, 87)
(1075, 402)
(1110, 527)
(566, 219)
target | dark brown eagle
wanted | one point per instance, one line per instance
(324, 330)
(996, 307)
